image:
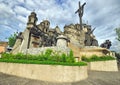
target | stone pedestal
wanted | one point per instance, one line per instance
(62, 41)
(62, 44)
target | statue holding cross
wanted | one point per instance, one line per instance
(80, 12)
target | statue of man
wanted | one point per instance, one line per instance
(80, 12)
(89, 38)
(107, 44)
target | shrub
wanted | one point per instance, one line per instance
(70, 57)
(97, 58)
(84, 58)
(7, 55)
(49, 55)
(63, 57)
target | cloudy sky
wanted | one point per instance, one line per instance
(102, 14)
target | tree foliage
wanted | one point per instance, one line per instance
(118, 33)
(12, 39)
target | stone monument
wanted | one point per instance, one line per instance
(79, 37)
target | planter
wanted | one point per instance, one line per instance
(110, 65)
(51, 73)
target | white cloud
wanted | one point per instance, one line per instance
(21, 10)
(21, 18)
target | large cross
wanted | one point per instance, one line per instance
(80, 13)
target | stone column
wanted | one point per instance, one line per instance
(62, 41)
(62, 44)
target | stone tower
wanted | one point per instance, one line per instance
(32, 19)
(46, 26)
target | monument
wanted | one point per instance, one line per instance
(38, 37)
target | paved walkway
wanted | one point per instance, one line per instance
(95, 78)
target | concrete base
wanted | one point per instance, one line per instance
(51, 73)
(88, 51)
(110, 65)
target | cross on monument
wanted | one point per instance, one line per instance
(80, 13)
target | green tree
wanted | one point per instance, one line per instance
(118, 33)
(12, 39)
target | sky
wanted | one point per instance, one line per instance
(102, 14)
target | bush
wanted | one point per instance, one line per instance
(7, 56)
(84, 58)
(49, 58)
(70, 57)
(63, 58)
(49, 55)
(97, 58)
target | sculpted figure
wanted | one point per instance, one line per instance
(94, 42)
(80, 12)
(107, 44)
(88, 38)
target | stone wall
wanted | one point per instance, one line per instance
(110, 65)
(51, 73)
(43, 49)
(88, 51)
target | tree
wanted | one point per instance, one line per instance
(118, 33)
(12, 39)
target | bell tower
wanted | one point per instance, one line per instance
(32, 19)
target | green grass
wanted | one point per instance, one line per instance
(43, 62)
(94, 58)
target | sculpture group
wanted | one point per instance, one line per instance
(42, 35)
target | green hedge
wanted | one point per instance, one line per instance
(49, 57)
(97, 58)
(43, 62)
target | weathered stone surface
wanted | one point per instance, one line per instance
(36, 36)
(110, 65)
(82, 37)
(62, 41)
(94, 78)
(43, 49)
(49, 73)
(88, 51)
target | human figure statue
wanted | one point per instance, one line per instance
(80, 12)
(107, 44)
(54, 38)
(88, 39)
(94, 42)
